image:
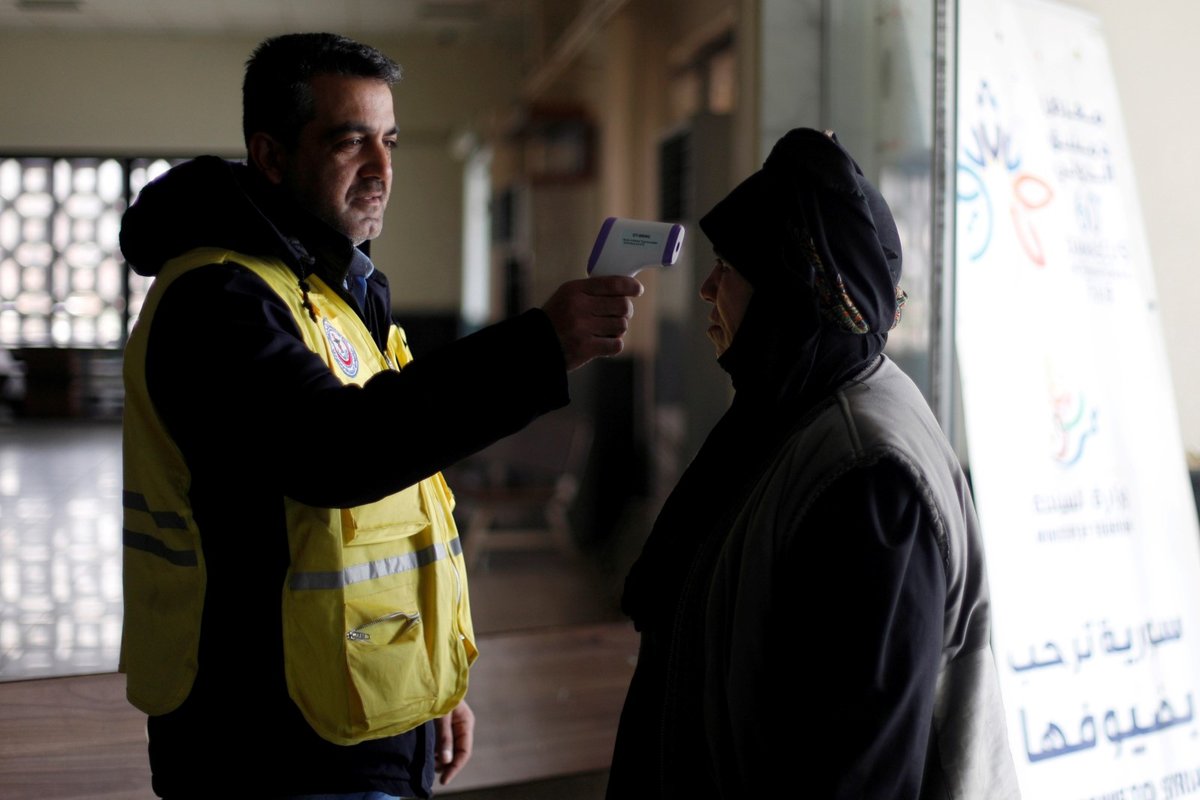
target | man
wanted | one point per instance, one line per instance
(296, 607)
(812, 599)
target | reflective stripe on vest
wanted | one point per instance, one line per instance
(373, 570)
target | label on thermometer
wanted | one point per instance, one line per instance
(627, 246)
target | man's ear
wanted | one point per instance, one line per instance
(267, 155)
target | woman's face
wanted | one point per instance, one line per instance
(729, 294)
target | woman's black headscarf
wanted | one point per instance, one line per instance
(820, 247)
(819, 244)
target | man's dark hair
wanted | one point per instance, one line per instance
(276, 93)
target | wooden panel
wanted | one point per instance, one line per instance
(546, 702)
(67, 738)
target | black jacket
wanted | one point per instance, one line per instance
(259, 417)
(819, 561)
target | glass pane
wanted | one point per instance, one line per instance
(879, 86)
(61, 270)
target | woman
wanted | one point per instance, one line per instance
(812, 598)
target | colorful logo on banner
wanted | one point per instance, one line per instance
(990, 145)
(1074, 423)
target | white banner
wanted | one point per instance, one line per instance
(1077, 463)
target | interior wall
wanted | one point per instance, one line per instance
(181, 95)
(627, 67)
(622, 80)
(121, 94)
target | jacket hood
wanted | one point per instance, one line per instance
(820, 247)
(810, 223)
(205, 202)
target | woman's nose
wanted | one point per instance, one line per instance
(708, 289)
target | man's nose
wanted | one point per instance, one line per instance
(378, 162)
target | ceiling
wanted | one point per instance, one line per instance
(442, 18)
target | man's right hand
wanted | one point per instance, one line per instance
(591, 315)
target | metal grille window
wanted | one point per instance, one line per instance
(63, 282)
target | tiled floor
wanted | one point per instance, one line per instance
(60, 559)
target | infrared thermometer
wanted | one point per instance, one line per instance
(628, 246)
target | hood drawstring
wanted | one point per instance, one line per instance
(303, 270)
(307, 303)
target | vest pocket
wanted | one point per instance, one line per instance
(390, 673)
(372, 616)
(359, 667)
(394, 517)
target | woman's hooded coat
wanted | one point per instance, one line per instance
(828, 688)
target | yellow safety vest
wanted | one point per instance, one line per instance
(376, 619)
